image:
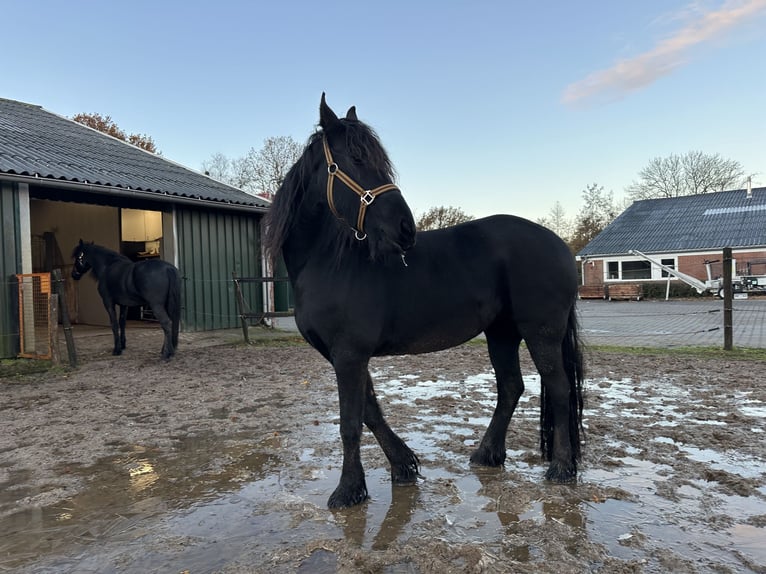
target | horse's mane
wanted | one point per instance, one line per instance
(103, 253)
(362, 146)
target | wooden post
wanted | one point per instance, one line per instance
(727, 300)
(241, 306)
(58, 288)
(53, 327)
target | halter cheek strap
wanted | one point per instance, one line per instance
(366, 196)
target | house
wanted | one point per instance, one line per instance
(61, 181)
(684, 233)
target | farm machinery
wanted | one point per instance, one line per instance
(741, 283)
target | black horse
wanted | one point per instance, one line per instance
(364, 288)
(122, 282)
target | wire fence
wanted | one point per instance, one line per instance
(672, 323)
(646, 323)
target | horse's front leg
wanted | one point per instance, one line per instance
(404, 463)
(123, 318)
(351, 489)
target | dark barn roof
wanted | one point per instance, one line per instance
(689, 223)
(35, 143)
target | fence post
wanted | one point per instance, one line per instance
(727, 300)
(241, 306)
(59, 289)
(53, 325)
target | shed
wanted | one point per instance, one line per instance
(685, 233)
(61, 181)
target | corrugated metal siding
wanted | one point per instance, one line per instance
(211, 246)
(10, 265)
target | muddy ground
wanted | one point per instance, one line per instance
(222, 460)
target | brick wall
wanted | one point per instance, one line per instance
(594, 272)
(694, 265)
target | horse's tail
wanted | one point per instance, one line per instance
(573, 364)
(173, 303)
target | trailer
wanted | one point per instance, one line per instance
(753, 284)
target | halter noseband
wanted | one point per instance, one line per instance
(366, 196)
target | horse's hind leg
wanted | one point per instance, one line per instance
(404, 463)
(168, 348)
(503, 346)
(555, 418)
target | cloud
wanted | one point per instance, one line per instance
(632, 74)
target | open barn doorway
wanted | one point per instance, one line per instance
(57, 226)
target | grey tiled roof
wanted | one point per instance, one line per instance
(36, 142)
(689, 223)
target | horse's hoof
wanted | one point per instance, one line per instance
(486, 457)
(117, 352)
(561, 473)
(346, 498)
(406, 474)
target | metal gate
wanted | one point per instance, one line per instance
(37, 315)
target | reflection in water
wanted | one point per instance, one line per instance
(399, 514)
(142, 475)
(518, 513)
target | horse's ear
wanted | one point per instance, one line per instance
(327, 117)
(351, 114)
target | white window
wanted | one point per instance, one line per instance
(668, 263)
(637, 269)
(632, 270)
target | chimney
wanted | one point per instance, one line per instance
(750, 187)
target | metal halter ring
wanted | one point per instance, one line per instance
(367, 198)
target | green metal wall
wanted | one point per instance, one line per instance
(10, 265)
(212, 245)
(284, 299)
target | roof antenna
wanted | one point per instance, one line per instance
(749, 187)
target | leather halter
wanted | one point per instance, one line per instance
(366, 196)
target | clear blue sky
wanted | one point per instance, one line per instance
(490, 106)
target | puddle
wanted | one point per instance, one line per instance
(259, 502)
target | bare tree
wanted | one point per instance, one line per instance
(557, 221)
(440, 217)
(692, 173)
(219, 167)
(598, 211)
(272, 162)
(105, 124)
(259, 172)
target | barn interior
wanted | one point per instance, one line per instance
(57, 227)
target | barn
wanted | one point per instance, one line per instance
(685, 233)
(61, 181)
